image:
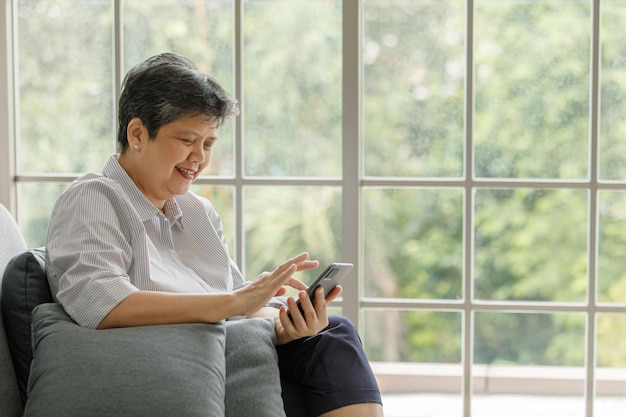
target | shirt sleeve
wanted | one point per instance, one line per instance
(89, 250)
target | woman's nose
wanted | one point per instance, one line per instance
(197, 154)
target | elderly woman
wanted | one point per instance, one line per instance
(134, 246)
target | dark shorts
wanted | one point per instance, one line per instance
(326, 371)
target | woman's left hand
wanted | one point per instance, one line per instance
(314, 319)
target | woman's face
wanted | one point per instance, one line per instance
(167, 165)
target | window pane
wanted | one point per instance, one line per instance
(529, 363)
(613, 92)
(538, 339)
(413, 240)
(611, 365)
(414, 75)
(201, 30)
(612, 241)
(532, 88)
(292, 92)
(530, 245)
(65, 114)
(280, 222)
(611, 347)
(413, 336)
(416, 354)
(223, 201)
(34, 205)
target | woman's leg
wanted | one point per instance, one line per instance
(333, 371)
(357, 410)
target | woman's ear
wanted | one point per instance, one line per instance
(136, 132)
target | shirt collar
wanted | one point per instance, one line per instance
(146, 210)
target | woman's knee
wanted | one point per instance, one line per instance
(343, 326)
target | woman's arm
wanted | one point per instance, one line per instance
(143, 308)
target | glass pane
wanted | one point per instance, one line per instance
(611, 365)
(65, 113)
(432, 337)
(413, 242)
(532, 339)
(613, 92)
(416, 356)
(530, 364)
(532, 88)
(34, 206)
(530, 245)
(292, 92)
(612, 240)
(201, 30)
(223, 200)
(414, 76)
(280, 222)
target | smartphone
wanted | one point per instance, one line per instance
(332, 276)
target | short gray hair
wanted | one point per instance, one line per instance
(165, 88)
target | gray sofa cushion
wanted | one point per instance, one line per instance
(168, 370)
(252, 378)
(24, 286)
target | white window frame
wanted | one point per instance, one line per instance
(7, 126)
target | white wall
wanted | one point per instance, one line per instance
(7, 168)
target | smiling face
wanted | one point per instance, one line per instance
(167, 165)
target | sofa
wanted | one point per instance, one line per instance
(11, 244)
(50, 366)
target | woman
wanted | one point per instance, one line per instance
(133, 246)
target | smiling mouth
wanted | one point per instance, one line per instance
(185, 171)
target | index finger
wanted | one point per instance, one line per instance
(293, 261)
(297, 284)
(297, 259)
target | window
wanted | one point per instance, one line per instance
(468, 156)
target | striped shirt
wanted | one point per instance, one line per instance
(107, 241)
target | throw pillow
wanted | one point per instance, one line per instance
(166, 370)
(24, 286)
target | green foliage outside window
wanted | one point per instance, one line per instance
(531, 120)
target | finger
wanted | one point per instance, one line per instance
(284, 276)
(281, 291)
(264, 274)
(296, 315)
(290, 262)
(321, 315)
(308, 264)
(320, 302)
(302, 257)
(297, 284)
(286, 320)
(310, 315)
(277, 278)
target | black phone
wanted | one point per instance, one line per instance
(332, 276)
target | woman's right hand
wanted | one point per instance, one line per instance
(269, 284)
